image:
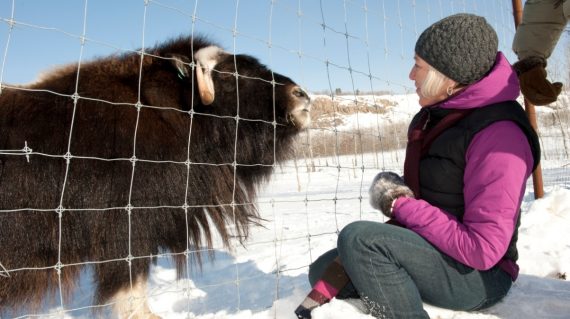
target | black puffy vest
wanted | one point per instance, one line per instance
(442, 168)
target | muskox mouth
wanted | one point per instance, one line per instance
(300, 118)
(299, 114)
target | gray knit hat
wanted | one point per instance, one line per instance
(462, 47)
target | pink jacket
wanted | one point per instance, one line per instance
(498, 164)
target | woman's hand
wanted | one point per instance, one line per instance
(385, 189)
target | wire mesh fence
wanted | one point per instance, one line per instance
(353, 57)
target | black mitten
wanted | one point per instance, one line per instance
(387, 187)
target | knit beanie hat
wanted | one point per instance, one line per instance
(462, 47)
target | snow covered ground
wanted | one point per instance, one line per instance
(304, 211)
(538, 293)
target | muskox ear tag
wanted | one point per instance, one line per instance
(181, 73)
(181, 64)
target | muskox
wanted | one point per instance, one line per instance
(110, 162)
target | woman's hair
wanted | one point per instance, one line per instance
(433, 82)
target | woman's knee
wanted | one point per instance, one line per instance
(351, 231)
(365, 238)
(355, 235)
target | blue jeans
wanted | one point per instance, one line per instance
(393, 270)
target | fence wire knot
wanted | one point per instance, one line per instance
(133, 160)
(58, 267)
(67, 157)
(59, 211)
(27, 150)
(4, 272)
(129, 209)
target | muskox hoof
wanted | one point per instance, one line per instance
(131, 303)
(149, 315)
(137, 315)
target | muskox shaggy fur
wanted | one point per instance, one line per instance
(127, 159)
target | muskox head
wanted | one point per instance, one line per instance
(244, 73)
(236, 85)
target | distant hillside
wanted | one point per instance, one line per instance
(349, 112)
(349, 124)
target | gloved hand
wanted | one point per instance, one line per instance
(534, 85)
(387, 187)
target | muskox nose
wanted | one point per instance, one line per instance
(299, 111)
(299, 93)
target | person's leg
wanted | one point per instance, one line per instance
(394, 270)
(327, 278)
(317, 270)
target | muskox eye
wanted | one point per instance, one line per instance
(298, 92)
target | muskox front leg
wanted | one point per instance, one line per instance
(125, 287)
(132, 302)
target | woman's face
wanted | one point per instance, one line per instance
(418, 74)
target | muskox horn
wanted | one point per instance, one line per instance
(206, 59)
(205, 84)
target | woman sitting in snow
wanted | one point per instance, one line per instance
(470, 152)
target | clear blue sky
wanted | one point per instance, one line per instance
(287, 35)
